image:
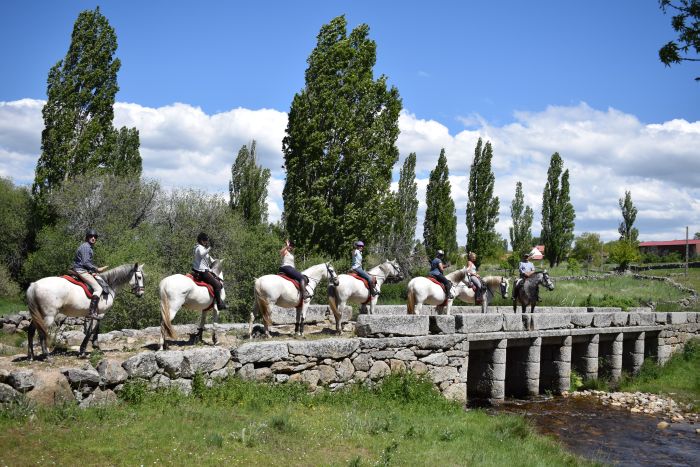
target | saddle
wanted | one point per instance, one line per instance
(442, 286)
(364, 281)
(296, 284)
(74, 278)
(209, 288)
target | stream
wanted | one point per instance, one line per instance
(608, 434)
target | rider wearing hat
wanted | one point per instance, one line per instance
(82, 264)
(357, 266)
(526, 269)
(437, 267)
(287, 267)
(201, 271)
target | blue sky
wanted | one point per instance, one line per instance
(581, 78)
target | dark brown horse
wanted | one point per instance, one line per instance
(527, 293)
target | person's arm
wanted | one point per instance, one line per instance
(283, 251)
(441, 266)
(85, 253)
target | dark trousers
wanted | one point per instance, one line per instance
(292, 272)
(444, 281)
(209, 278)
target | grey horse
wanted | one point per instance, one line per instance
(527, 293)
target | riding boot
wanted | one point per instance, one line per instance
(450, 295)
(220, 305)
(305, 292)
(373, 290)
(92, 312)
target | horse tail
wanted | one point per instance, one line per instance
(333, 299)
(165, 325)
(35, 310)
(262, 304)
(411, 302)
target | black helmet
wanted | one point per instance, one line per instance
(202, 237)
(91, 233)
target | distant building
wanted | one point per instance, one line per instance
(537, 253)
(670, 246)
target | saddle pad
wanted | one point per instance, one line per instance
(73, 280)
(432, 279)
(202, 284)
(296, 283)
(357, 276)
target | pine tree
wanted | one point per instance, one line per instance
(248, 186)
(440, 224)
(521, 232)
(629, 214)
(78, 136)
(482, 206)
(340, 145)
(557, 213)
(405, 218)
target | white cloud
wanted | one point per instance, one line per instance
(606, 152)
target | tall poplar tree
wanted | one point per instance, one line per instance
(440, 224)
(629, 214)
(248, 186)
(402, 232)
(557, 213)
(78, 135)
(521, 214)
(340, 143)
(482, 206)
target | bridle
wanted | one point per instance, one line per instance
(332, 276)
(139, 281)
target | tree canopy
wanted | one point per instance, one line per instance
(482, 206)
(686, 22)
(629, 214)
(340, 143)
(440, 223)
(557, 213)
(248, 186)
(521, 214)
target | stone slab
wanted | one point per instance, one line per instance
(473, 323)
(397, 325)
(551, 321)
(515, 322)
(314, 314)
(326, 348)
(253, 352)
(442, 324)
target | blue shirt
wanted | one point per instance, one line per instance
(83, 258)
(356, 259)
(435, 267)
(526, 266)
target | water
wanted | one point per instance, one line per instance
(608, 434)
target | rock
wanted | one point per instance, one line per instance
(247, 371)
(171, 362)
(204, 360)
(405, 354)
(99, 398)
(183, 385)
(21, 380)
(51, 387)
(379, 370)
(81, 377)
(253, 352)
(398, 325)
(479, 322)
(456, 392)
(437, 359)
(397, 366)
(327, 374)
(345, 370)
(362, 362)
(311, 378)
(326, 348)
(443, 373)
(418, 368)
(142, 365)
(8, 393)
(263, 374)
(662, 425)
(111, 372)
(9, 328)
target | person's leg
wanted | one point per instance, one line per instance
(297, 276)
(446, 283)
(479, 291)
(214, 281)
(361, 272)
(96, 293)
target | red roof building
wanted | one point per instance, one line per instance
(670, 246)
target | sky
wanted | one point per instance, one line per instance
(583, 79)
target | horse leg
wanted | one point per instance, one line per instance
(484, 303)
(87, 329)
(297, 322)
(95, 333)
(30, 341)
(200, 330)
(215, 322)
(44, 348)
(303, 320)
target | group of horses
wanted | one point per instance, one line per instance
(52, 295)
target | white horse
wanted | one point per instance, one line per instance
(494, 284)
(52, 295)
(272, 289)
(422, 290)
(179, 290)
(350, 289)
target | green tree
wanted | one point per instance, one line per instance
(629, 214)
(15, 219)
(78, 136)
(696, 236)
(521, 232)
(340, 143)
(623, 253)
(404, 213)
(248, 186)
(588, 248)
(440, 223)
(686, 22)
(557, 213)
(482, 206)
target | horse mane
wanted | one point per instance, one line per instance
(118, 275)
(457, 276)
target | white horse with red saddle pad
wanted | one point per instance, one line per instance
(273, 289)
(52, 295)
(181, 290)
(424, 290)
(494, 285)
(354, 290)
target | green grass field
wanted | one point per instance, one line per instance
(403, 422)
(9, 306)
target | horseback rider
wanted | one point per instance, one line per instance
(357, 267)
(82, 264)
(526, 269)
(287, 267)
(437, 267)
(474, 277)
(201, 271)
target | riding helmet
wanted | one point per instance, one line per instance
(91, 233)
(360, 243)
(202, 237)
(440, 253)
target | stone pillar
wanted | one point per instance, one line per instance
(638, 355)
(532, 368)
(498, 371)
(590, 359)
(663, 352)
(562, 365)
(616, 358)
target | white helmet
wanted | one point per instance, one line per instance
(440, 253)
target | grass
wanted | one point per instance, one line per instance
(402, 422)
(11, 305)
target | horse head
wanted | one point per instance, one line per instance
(394, 269)
(332, 275)
(137, 280)
(547, 281)
(216, 268)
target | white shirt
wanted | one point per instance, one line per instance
(202, 260)
(288, 259)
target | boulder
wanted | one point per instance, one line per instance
(142, 365)
(111, 372)
(326, 348)
(51, 387)
(21, 380)
(171, 362)
(8, 393)
(99, 398)
(204, 360)
(473, 323)
(81, 377)
(254, 352)
(437, 359)
(398, 325)
(379, 370)
(442, 324)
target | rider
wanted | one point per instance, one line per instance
(357, 266)
(201, 271)
(287, 267)
(474, 277)
(437, 267)
(526, 269)
(82, 264)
